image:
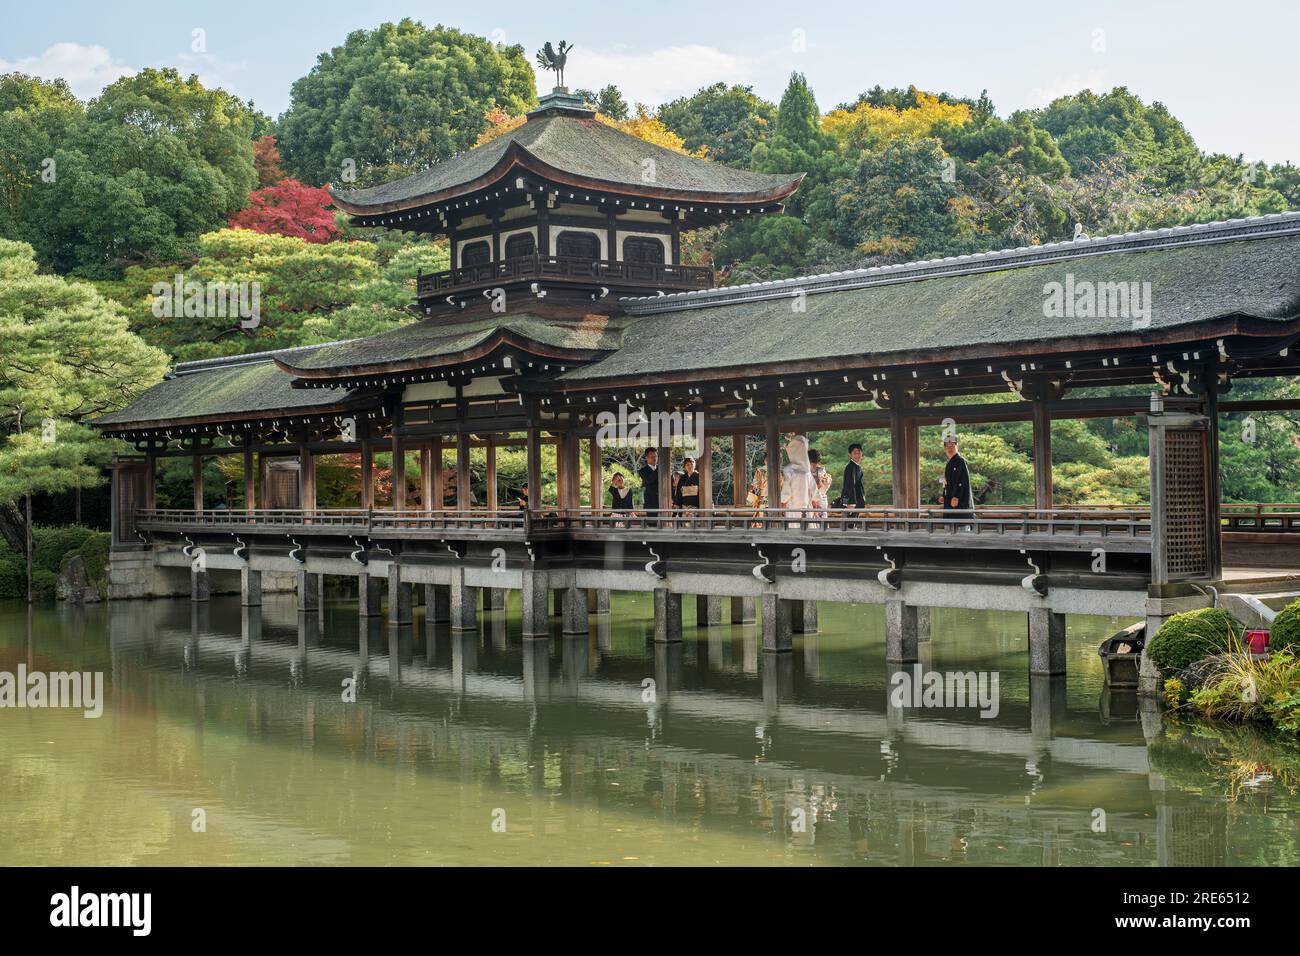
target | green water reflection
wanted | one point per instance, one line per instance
(737, 756)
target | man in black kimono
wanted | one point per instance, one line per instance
(956, 481)
(852, 493)
(649, 475)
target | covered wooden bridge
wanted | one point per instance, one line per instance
(521, 356)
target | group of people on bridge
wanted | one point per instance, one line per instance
(803, 485)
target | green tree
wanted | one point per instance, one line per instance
(396, 99)
(608, 101)
(66, 355)
(728, 121)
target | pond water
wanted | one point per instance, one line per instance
(226, 738)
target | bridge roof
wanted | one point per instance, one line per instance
(571, 147)
(441, 342)
(1237, 276)
(226, 389)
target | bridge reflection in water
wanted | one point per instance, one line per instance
(801, 757)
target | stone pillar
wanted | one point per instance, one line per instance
(250, 587)
(1046, 642)
(533, 593)
(399, 596)
(900, 633)
(922, 624)
(464, 603)
(803, 617)
(494, 599)
(708, 610)
(777, 636)
(308, 591)
(200, 585)
(744, 610)
(668, 616)
(602, 600)
(370, 595)
(557, 602)
(575, 611)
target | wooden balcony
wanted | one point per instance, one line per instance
(647, 276)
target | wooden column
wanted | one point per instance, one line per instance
(595, 461)
(704, 465)
(1213, 477)
(1042, 420)
(426, 477)
(399, 474)
(250, 494)
(739, 476)
(773, 460)
(543, 236)
(150, 482)
(492, 473)
(571, 449)
(904, 460)
(665, 477)
(306, 479)
(437, 492)
(198, 482)
(464, 499)
(534, 450)
(367, 474)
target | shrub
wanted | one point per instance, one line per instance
(1284, 634)
(1189, 636)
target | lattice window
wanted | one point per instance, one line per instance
(1186, 534)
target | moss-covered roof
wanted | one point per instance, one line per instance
(247, 387)
(572, 148)
(978, 304)
(439, 341)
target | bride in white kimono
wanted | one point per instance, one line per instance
(798, 486)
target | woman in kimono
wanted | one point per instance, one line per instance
(798, 486)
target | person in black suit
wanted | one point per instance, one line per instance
(852, 494)
(956, 481)
(649, 475)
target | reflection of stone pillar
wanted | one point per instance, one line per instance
(250, 587)
(575, 611)
(811, 656)
(308, 593)
(668, 669)
(708, 610)
(537, 673)
(1046, 704)
(900, 633)
(573, 659)
(536, 623)
(744, 610)
(200, 586)
(1046, 641)
(370, 595)
(464, 657)
(778, 680)
(777, 635)
(668, 616)
(803, 617)
(250, 624)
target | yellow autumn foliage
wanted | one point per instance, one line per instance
(872, 127)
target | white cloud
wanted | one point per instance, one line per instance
(212, 70)
(88, 69)
(655, 76)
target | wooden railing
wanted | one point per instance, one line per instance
(1269, 518)
(600, 271)
(1132, 524)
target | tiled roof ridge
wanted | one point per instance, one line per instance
(1230, 230)
(248, 358)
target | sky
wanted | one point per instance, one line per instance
(1226, 70)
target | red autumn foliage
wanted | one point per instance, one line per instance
(289, 208)
(266, 160)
